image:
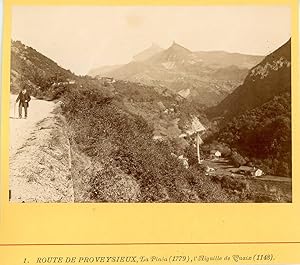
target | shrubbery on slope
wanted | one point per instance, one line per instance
(121, 140)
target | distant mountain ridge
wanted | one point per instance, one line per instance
(102, 70)
(139, 57)
(223, 58)
(209, 76)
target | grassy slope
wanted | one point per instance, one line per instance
(37, 71)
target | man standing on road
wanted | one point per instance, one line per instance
(24, 99)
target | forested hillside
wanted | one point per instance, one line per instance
(256, 117)
(263, 134)
(269, 78)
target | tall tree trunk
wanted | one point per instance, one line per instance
(198, 147)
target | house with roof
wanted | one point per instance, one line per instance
(215, 154)
(250, 171)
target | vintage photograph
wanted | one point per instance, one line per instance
(150, 104)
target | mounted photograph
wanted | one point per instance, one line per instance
(150, 104)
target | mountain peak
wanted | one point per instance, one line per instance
(178, 47)
(149, 52)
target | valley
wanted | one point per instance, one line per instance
(172, 125)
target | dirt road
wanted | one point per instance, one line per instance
(39, 155)
(20, 129)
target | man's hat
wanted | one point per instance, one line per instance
(25, 87)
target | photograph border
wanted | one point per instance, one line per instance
(158, 227)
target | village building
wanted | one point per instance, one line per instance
(184, 161)
(161, 106)
(215, 154)
(157, 137)
(71, 82)
(106, 80)
(183, 135)
(258, 172)
(184, 93)
(250, 171)
(209, 169)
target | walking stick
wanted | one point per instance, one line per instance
(15, 110)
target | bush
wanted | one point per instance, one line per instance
(237, 159)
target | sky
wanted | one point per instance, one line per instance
(83, 37)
